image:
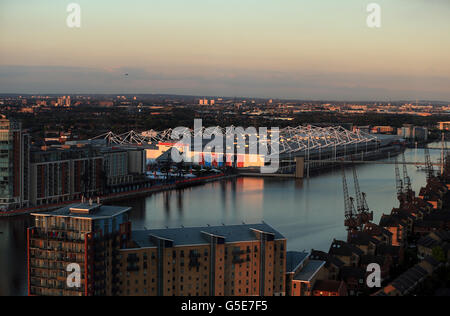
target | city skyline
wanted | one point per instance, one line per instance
(298, 50)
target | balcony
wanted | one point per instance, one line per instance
(132, 268)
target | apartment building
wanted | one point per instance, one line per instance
(65, 174)
(14, 165)
(240, 260)
(87, 234)
(122, 165)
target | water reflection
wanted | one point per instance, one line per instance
(13, 258)
(308, 212)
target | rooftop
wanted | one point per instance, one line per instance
(195, 235)
(342, 248)
(294, 259)
(86, 210)
(309, 270)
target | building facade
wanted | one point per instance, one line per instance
(241, 260)
(61, 175)
(88, 235)
(14, 165)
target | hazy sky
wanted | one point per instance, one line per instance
(319, 49)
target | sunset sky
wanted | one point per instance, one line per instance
(303, 49)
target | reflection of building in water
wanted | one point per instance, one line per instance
(180, 201)
(248, 184)
(251, 192)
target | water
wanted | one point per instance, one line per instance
(309, 213)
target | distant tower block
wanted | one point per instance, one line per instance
(299, 167)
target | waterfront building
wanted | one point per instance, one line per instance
(411, 132)
(32, 176)
(65, 174)
(420, 134)
(87, 234)
(14, 165)
(383, 130)
(397, 226)
(303, 273)
(238, 260)
(241, 260)
(444, 126)
(122, 165)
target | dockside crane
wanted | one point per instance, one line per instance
(428, 165)
(446, 171)
(351, 220)
(444, 155)
(399, 183)
(407, 187)
(364, 215)
(359, 203)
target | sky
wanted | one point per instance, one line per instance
(299, 49)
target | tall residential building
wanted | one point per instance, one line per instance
(64, 101)
(123, 165)
(203, 102)
(239, 260)
(88, 235)
(14, 165)
(65, 174)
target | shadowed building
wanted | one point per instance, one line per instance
(240, 260)
(14, 165)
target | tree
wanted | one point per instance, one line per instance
(439, 254)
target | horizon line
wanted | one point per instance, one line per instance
(216, 96)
